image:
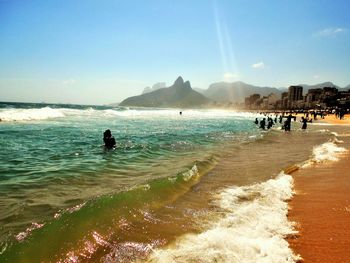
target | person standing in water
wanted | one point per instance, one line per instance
(262, 124)
(287, 123)
(108, 139)
(304, 121)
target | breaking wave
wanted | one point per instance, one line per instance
(326, 152)
(251, 227)
(30, 114)
(23, 114)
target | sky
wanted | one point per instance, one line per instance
(100, 52)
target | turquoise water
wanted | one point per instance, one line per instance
(56, 176)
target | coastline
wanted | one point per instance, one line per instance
(242, 181)
(321, 206)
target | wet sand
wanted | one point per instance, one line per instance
(321, 210)
(333, 120)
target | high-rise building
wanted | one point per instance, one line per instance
(295, 93)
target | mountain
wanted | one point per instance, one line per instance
(346, 88)
(180, 95)
(236, 91)
(155, 87)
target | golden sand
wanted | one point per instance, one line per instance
(321, 208)
(333, 120)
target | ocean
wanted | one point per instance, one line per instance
(204, 186)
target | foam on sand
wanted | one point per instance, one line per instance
(252, 227)
(326, 152)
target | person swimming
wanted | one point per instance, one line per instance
(108, 139)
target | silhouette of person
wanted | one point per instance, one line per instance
(304, 121)
(262, 124)
(256, 121)
(108, 139)
(269, 123)
(287, 123)
(180, 112)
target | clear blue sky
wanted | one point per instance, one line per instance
(99, 52)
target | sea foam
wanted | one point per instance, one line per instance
(20, 114)
(174, 113)
(252, 227)
(326, 152)
(30, 114)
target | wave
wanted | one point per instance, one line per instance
(21, 114)
(326, 152)
(252, 227)
(106, 215)
(174, 113)
(30, 114)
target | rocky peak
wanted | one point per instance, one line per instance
(179, 82)
(187, 85)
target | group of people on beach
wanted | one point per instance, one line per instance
(339, 113)
(269, 121)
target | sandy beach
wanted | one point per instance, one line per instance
(321, 206)
(331, 119)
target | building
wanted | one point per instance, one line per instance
(320, 98)
(295, 95)
(271, 101)
(251, 101)
(284, 100)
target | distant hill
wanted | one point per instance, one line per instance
(346, 88)
(236, 91)
(179, 95)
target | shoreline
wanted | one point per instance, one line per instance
(321, 206)
(331, 119)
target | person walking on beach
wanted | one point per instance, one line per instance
(108, 139)
(256, 121)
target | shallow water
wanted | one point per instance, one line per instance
(67, 197)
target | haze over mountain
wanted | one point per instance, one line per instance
(156, 86)
(236, 91)
(180, 95)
